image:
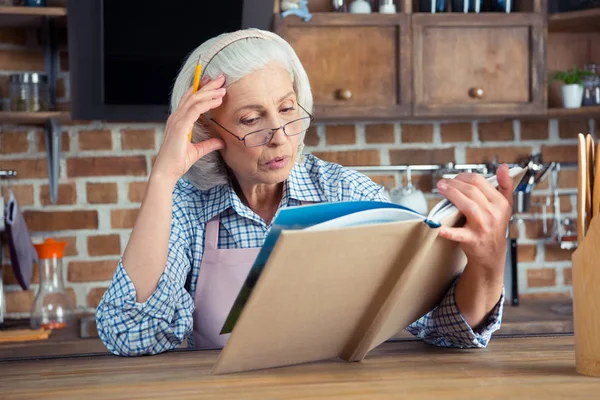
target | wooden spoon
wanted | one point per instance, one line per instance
(582, 170)
(589, 151)
(596, 186)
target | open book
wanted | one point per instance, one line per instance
(338, 279)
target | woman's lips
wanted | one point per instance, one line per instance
(278, 162)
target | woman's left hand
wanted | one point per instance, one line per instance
(482, 238)
(488, 211)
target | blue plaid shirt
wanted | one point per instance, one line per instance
(164, 320)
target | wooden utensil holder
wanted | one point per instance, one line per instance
(586, 301)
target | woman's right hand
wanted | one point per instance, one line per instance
(177, 154)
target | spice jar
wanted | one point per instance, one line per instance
(29, 92)
(52, 308)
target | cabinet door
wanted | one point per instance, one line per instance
(480, 64)
(358, 65)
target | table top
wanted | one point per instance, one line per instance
(539, 367)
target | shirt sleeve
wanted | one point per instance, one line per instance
(445, 326)
(162, 322)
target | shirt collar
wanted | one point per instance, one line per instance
(299, 187)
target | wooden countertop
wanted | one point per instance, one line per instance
(510, 368)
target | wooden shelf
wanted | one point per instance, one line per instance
(29, 16)
(31, 118)
(582, 112)
(575, 21)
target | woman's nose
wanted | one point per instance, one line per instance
(278, 138)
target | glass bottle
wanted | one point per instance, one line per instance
(52, 308)
(433, 6)
(591, 86)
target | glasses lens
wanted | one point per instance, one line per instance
(297, 127)
(258, 138)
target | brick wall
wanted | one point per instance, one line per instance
(104, 168)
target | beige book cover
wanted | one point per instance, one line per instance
(341, 291)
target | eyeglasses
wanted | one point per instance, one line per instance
(264, 136)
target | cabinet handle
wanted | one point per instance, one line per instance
(476, 93)
(343, 94)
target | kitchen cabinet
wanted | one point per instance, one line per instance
(478, 64)
(358, 66)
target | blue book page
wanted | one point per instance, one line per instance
(296, 218)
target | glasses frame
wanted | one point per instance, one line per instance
(273, 130)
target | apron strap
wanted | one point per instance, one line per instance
(212, 233)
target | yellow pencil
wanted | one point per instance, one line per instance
(195, 86)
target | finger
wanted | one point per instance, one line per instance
(461, 235)
(207, 146)
(216, 83)
(202, 97)
(468, 207)
(506, 184)
(471, 191)
(486, 188)
(187, 120)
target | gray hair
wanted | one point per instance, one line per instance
(249, 51)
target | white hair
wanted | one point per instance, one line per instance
(235, 55)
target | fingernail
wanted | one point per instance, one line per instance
(205, 79)
(441, 185)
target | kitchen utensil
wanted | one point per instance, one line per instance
(581, 186)
(29, 92)
(22, 252)
(596, 186)
(410, 197)
(360, 7)
(387, 7)
(52, 307)
(339, 6)
(589, 149)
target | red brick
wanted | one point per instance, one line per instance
(568, 276)
(388, 181)
(101, 193)
(379, 133)
(423, 182)
(67, 194)
(553, 252)
(95, 140)
(456, 132)
(526, 252)
(340, 134)
(20, 60)
(45, 221)
(106, 166)
(351, 157)
(534, 229)
(91, 271)
(94, 296)
(417, 133)
(29, 168)
(421, 156)
(20, 301)
(137, 190)
(40, 139)
(23, 194)
(545, 296)
(563, 153)
(567, 179)
(496, 131)
(538, 201)
(13, 142)
(543, 277)
(570, 128)
(14, 36)
(502, 154)
(4, 91)
(104, 245)
(123, 219)
(311, 138)
(138, 139)
(534, 130)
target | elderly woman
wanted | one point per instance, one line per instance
(209, 205)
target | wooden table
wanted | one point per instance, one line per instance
(510, 368)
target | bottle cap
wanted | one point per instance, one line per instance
(50, 249)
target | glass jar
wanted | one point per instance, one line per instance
(29, 92)
(52, 308)
(591, 86)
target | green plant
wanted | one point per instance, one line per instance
(571, 76)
